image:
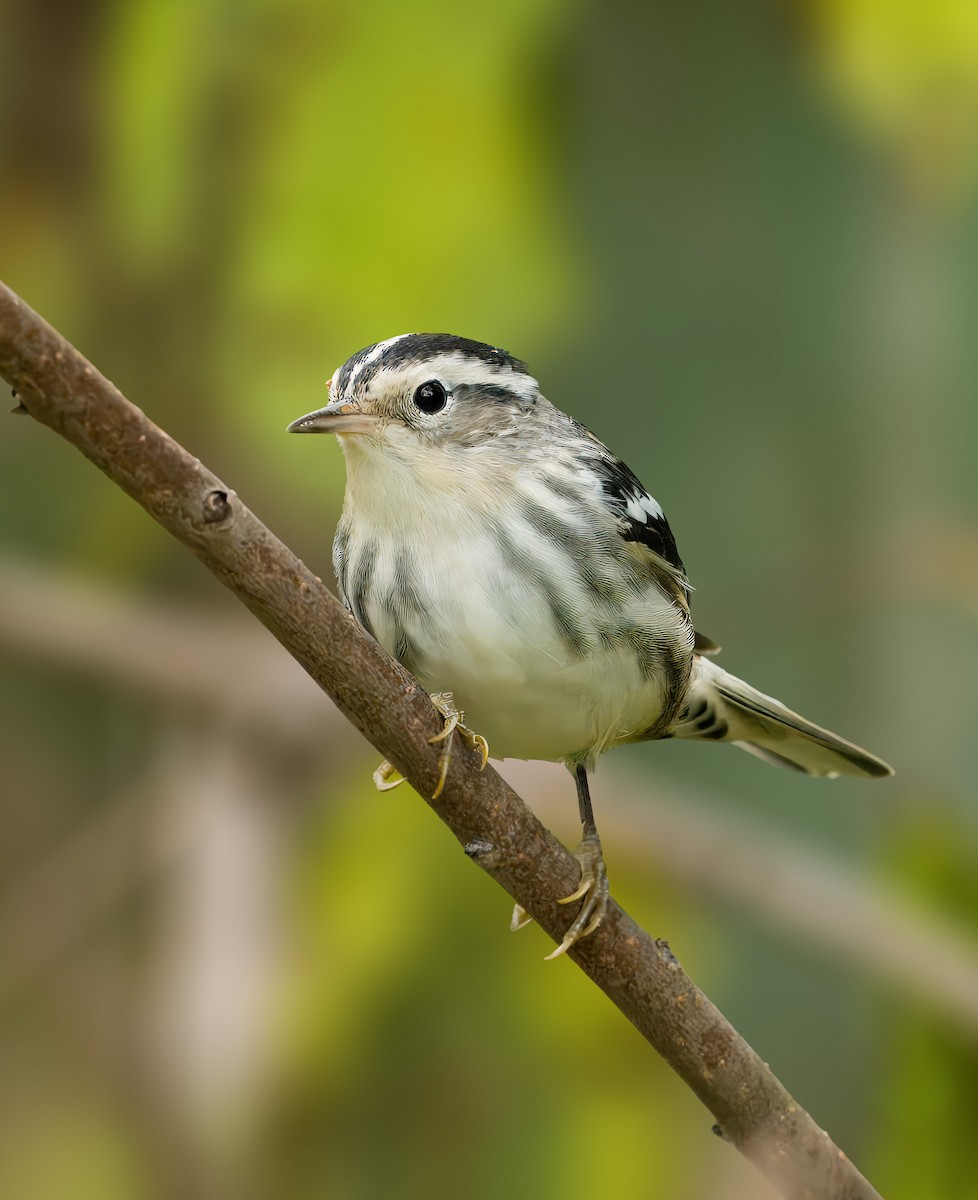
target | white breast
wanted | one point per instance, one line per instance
(478, 603)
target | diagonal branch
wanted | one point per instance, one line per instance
(228, 670)
(60, 389)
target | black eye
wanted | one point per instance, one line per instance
(431, 397)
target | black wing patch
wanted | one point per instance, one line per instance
(639, 515)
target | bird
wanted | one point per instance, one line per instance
(529, 581)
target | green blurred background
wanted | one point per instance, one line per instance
(740, 241)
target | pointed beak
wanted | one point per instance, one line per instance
(338, 417)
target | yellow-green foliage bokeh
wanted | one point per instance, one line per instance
(739, 241)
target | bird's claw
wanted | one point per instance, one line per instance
(593, 890)
(520, 919)
(382, 777)
(454, 719)
(453, 722)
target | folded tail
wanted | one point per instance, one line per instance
(720, 707)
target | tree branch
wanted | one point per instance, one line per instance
(60, 389)
(227, 669)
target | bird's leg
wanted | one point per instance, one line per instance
(593, 889)
(445, 704)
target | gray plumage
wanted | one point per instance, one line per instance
(495, 547)
(502, 552)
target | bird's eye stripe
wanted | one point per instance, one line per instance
(441, 354)
(490, 391)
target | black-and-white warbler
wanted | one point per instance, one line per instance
(499, 551)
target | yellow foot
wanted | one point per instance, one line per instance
(593, 890)
(454, 717)
(520, 919)
(453, 722)
(382, 777)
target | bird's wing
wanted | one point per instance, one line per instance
(641, 521)
(704, 645)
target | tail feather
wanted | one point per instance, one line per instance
(721, 707)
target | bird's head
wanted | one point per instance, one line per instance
(421, 391)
